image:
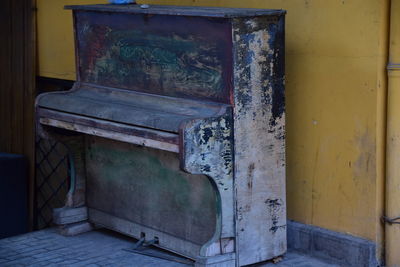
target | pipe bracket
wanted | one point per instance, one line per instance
(393, 66)
(390, 221)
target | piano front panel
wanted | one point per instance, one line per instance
(146, 186)
(168, 55)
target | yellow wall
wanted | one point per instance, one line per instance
(336, 84)
(55, 38)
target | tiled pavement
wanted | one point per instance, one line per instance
(98, 248)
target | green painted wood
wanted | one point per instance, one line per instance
(136, 52)
(146, 186)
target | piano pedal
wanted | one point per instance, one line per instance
(138, 244)
(147, 248)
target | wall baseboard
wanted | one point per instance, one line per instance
(338, 248)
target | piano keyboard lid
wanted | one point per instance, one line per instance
(130, 107)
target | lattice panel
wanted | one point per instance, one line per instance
(51, 180)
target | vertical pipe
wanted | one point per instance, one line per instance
(392, 231)
(381, 127)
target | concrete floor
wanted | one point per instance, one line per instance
(99, 248)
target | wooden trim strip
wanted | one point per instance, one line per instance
(139, 131)
(111, 134)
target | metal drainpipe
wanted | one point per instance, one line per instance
(392, 226)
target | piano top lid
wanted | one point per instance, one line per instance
(214, 12)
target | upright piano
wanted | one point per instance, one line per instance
(175, 128)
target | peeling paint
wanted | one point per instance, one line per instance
(259, 134)
(208, 149)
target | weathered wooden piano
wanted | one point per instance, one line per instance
(175, 129)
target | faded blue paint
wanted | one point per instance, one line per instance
(156, 54)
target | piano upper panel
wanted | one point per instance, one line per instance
(179, 56)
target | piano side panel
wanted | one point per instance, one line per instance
(176, 56)
(259, 134)
(146, 187)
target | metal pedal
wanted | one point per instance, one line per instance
(147, 248)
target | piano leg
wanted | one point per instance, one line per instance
(72, 218)
(207, 149)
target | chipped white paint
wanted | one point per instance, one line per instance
(259, 150)
(207, 149)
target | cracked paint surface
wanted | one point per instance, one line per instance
(259, 134)
(208, 150)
